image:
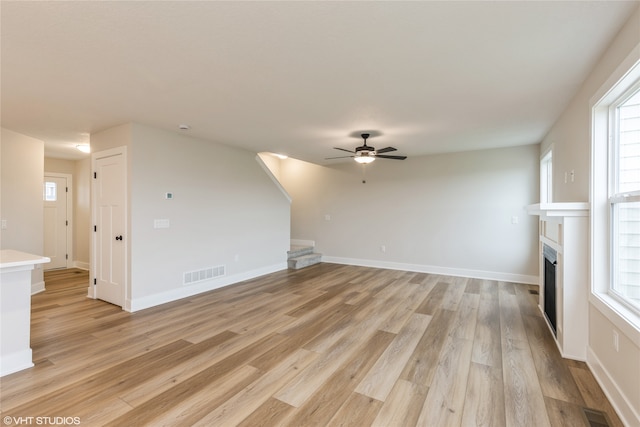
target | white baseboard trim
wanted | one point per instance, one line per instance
(625, 410)
(446, 271)
(187, 291)
(15, 362)
(81, 265)
(301, 242)
(36, 288)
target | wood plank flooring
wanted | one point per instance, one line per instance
(323, 346)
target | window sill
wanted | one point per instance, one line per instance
(626, 320)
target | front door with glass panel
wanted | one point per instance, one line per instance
(56, 223)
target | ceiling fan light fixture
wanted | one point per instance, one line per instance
(366, 153)
(85, 148)
(364, 158)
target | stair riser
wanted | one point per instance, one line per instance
(297, 264)
(299, 252)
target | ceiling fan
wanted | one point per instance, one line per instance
(367, 154)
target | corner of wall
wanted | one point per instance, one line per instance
(623, 407)
(271, 175)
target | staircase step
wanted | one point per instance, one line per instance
(297, 251)
(302, 261)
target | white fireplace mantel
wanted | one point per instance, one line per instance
(565, 228)
(549, 210)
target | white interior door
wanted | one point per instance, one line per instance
(56, 222)
(110, 229)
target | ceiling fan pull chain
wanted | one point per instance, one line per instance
(364, 170)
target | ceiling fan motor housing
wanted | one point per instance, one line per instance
(365, 149)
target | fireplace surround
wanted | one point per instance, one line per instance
(550, 259)
(563, 254)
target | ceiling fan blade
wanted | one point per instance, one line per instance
(391, 157)
(341, 157)
(342, 149)
(386, 150)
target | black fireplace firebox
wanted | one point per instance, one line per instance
(550, 264)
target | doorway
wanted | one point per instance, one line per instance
(58, 232)
(110, 239)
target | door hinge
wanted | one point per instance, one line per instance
(95, 228)
(95, 175)
(66, 223)
(66, 256)
(95, 281)
(66, 189)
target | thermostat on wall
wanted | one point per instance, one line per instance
(168, 195)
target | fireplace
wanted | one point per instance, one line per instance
(550, 263)
(563, 274)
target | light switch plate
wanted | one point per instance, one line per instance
(161, 223)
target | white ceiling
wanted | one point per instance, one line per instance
(301, 77)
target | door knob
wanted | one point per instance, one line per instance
(118, 237)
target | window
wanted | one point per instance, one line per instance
(615, 194)
(546, 177)
(50, 192)
(624, 197)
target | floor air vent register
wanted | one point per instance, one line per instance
(191, 277)
(595, 418)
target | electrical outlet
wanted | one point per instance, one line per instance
(616, 341)
(383, 249)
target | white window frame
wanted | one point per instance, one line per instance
(626, 76)
(49, 196)
(617, 197)
(546, 176)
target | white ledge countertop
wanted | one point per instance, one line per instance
(13, 258)
(559, 209)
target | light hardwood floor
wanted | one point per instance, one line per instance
(326, 345)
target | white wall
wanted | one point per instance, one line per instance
(225, 211)
(448, 213)
(571, 133)
(59, 165)
(82, 213)
(119, 136)
(272, 162)
(618, 372)
(22, 173)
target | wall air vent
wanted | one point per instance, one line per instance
(191, 277)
